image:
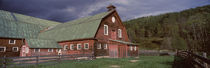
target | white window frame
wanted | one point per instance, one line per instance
(49, 50)
(135, 48)
(105, 46)
(71, 47)
(99, 46)
(12, 43)
(78, 46)
(36, 48)
(120, 33)
(57, 50)
(131, 48)
(85, 45)
(4, 49)
(106, 31)
(13, 49)
(65, 47)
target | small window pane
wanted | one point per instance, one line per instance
(2, 49)
(72, 47)
(99, 46)
(50, 50)
(105, 46)
(36, 50)
(12, 41)
(105, 29)
(79, 47)
(131, 48)
(86, 46)
(15, 49)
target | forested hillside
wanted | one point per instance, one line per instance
(188, 29)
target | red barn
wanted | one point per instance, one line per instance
(102, 35)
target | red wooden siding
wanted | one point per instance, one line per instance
(75, 51)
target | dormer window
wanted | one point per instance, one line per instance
(105, 29)
(119, 33)
(12, 41)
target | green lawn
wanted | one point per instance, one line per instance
(143, 62)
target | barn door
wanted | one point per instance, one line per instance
(122, 51)
(113, 51)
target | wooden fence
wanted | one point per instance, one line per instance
(187, 59)
(6, 62)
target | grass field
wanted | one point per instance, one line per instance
(141, 62)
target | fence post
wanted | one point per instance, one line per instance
(205, 56)
(4, 62)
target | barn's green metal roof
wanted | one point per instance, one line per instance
(38, 43)
(27, 19)
(14, 29)
(77, 29)
(123, 42)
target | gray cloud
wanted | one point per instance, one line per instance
(66, 10)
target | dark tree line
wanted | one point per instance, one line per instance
(188, 29)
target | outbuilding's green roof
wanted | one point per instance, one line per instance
(27, 19)
(77, 29)
(124, 42)
(14, 29)
(38, 43)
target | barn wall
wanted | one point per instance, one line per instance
(111, 27)
(4, 42)
(133, 52)
(75, 51)
(102, 51)
(43, 52)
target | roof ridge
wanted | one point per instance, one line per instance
(20, 21)
(36, 18)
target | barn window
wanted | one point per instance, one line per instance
(86, 46)
(2, 49)
(72, 47)
(105, 46)
(50, 50)
(57, 50)
(12, 41)
(113, 19)
(131, 48)
(119, 33)
(99, 46)
(134, 48)
(65, 47)
(79, 47)
(105, 29)
(36, 50)
(15, 49)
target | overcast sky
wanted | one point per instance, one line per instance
(67, 10)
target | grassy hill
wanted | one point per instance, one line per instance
(188, 29)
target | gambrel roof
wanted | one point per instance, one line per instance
(14, 29)
(26, 19)
(13, 25)
(42, 43)
(77, 29)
